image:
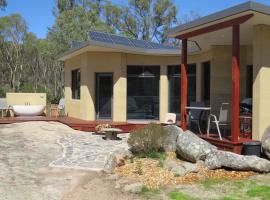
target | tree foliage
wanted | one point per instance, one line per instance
(12, 36)
(74, 25)
(30, 64)
(142, 19)
(3, 4)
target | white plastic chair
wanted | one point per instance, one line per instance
(3, 106)
(170, 118)
(221, 121)
(61, 107)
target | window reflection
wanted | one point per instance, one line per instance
(174, 75)
(143, 92)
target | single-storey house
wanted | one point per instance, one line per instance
(223, 57)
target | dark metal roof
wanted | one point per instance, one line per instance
(125, 41)
(247, 6)
(129, 45)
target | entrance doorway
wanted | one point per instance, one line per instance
(104, 94)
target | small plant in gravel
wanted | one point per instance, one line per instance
(139, 170)
(147, 140)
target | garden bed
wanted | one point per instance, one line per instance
(152, 173)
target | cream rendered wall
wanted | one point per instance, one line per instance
(90, 64)
(25, 98)
(103, 63)
(221, 76)
(96, 62)
(261, 76)
(77, 107)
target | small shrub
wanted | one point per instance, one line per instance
(148, 139)
(153, 154)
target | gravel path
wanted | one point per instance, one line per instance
(27, 149)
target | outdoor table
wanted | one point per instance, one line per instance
(111, 133)
(204, 110)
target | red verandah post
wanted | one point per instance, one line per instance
(235, 130)
(184, 84)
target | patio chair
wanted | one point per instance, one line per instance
(221, 121)
(194, 116)
(3, 106)
(170, 118)
(61, 107)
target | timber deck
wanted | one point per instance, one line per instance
(77, 124)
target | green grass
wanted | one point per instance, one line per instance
(180, 196)
(147, 193)
(210, 183)
(261, 191)
(227, 198)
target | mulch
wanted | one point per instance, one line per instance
(151, 173)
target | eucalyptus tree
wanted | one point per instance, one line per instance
(13, 30)
(3, 4)
(142, 19)
(74, 24)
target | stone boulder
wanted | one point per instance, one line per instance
(169, 145)
(218, 159)
(116, 159)
(192, 148)
(134, 187)
(180, 168)
(266, 142)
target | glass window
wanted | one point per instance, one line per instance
(76, 83)
(143, 92)
(174, 74)
(249, 81)
(206, 81)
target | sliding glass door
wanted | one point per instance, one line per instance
(174, 75)
(143, 92)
